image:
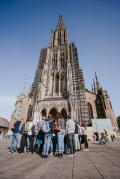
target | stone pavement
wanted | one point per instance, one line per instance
(101, 162)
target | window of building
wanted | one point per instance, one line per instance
(63, 63)
(57, 83)
(54, 60)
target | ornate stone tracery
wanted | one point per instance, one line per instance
(59, 63)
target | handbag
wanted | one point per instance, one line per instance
(57, 128)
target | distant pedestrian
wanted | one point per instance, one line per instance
(85, 138)
(77, 143)
(1, 136)
(112, 139)
(80, 135)
(9, 134)
(106, 137)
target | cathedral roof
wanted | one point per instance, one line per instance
(89, 91)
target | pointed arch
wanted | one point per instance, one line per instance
(57, 83)
(53, 111)
(90, 112)
(64, 113)
(43, 112)
(62, 82)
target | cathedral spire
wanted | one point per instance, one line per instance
(94, 86)
(97, 82)
(92, 89)
(59, 36)
(60, 24)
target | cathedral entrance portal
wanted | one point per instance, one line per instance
(43, 112)
(64, 113)
(53, 112)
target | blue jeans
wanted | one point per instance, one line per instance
(46, 146)
(51, 146)
(31, 143)
(60, 139)
(14, 142)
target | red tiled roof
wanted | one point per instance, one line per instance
(3, 120)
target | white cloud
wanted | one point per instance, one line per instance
(7, 105)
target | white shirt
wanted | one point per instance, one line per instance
(30, 125)
(70, 126)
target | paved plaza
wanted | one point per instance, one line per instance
(101, 162)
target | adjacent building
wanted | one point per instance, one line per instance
(21, 107)
(4, 124)
(99, 104)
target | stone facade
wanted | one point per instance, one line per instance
(91, 101)
(58, 85)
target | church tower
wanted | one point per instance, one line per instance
(58, 85)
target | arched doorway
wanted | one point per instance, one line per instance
(64, 113)
(53, 112)
(90, 113)
(43, 112)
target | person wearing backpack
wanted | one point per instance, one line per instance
(60, 134)
(46, 129)
(15, 136)
(70, 131)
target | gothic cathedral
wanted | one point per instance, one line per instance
(59, 86)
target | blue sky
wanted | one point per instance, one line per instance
(25, 25)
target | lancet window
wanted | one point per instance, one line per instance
(62, 83)
(63, 64)
(54, 60)
(57, 83)
(59, 37)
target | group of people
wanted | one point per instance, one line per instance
(103, 137)
(52, 135)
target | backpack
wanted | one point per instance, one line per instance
(46, 127)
